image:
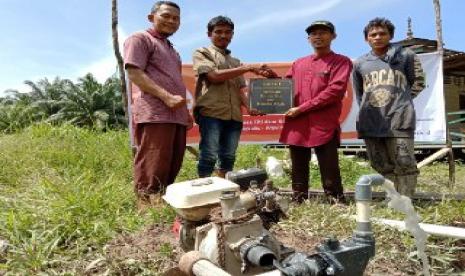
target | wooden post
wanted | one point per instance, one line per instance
(194, 152)
(119, 58)
(437, 12)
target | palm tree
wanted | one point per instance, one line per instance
(14, 96)
(91, 104)
(46, 96)
(15, 111)
(87, 104)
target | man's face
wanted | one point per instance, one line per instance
(221, 36)
(321, 37)
(166, 20)
(378, 38)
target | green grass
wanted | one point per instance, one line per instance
(65, 192)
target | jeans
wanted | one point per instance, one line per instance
(218, 142)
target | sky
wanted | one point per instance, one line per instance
(69, 38)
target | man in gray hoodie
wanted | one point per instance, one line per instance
(385, 82)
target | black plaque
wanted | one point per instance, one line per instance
(271, 96)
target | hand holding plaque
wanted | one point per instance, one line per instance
(265, 71)
(261, 70)
(293, 112)
(271, 96)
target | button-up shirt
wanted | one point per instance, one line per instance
(220, 101)
(155, 55)
(319, 87)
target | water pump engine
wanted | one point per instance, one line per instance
(228, 229)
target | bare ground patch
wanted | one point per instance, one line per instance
(156, 249)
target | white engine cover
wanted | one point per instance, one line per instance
(193, 199)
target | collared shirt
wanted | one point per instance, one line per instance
(320, 84)
(220, 101)
(155, 55)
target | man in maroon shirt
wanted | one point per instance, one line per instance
(320, 82)
(159, 109)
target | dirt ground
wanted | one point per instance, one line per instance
(156, 248)
(144, 247)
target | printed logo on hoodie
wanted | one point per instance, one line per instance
(380, 96)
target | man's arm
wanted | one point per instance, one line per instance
(204, 64)
(146, 84)
(415, 75)
(334, 92)
(219, 76)
(357, 84)
(136, 56)
(244, 96)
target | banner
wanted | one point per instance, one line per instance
(429, 107)
(260, 129)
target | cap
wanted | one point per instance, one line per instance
(320, 23)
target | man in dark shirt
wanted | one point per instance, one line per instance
(385, 82)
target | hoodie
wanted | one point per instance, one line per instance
(385, 87)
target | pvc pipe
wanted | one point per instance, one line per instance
(433, 229)
(271, 273)
(363, 197)
(204, 267)
(364, 185)
(194, 263)
(207, 268)
(434, 156)
(363, 211)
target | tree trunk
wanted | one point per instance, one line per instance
(437, 13)
(119, 58)
(451, 159)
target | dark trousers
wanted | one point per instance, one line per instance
(160, 150)
(328, 161)
(394, 158)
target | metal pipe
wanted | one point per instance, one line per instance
(248, 200)
(302, 264)
(229, 201)
(260, 256)
(257, 254)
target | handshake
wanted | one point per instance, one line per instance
(262, 70)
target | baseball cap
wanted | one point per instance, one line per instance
(320, 23)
